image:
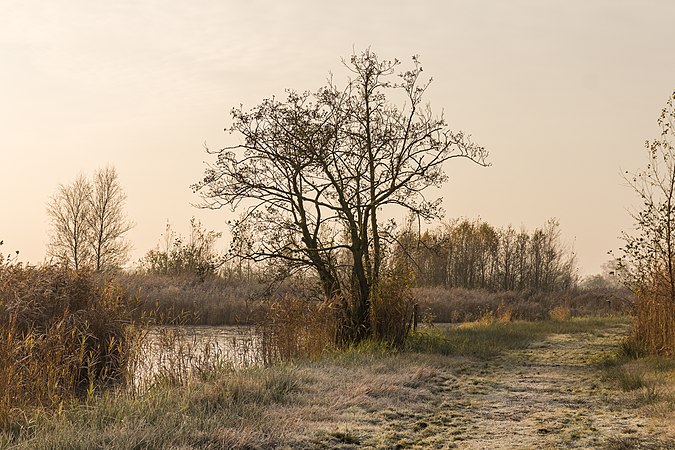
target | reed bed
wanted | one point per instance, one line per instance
(654, 324)
(64, 335)
(296, 328)
(231, 301)
(457, 305)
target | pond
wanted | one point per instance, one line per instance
(175, 353)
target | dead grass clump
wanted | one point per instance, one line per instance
(295, 327)
(632, 348)
(392, 311)
(504, 312)
(654, 323)
(560, 313)
(63, 335)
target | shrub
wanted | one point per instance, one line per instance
(391, 311)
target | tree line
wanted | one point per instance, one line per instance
(473, 254)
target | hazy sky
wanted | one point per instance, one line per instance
(562, 93)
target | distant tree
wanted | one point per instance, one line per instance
(88, 223)
(474, 254)
(69, 212)
(315, 171)
(108, 221)
(648, 259)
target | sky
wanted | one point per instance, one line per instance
(563, 94)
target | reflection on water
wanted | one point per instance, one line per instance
(177, 353)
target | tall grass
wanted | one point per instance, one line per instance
(231, 301)
(392, 311)
(294, 327)
(63, 335)
(654, 324)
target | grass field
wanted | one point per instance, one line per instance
(548, 384)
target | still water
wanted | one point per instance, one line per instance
(176, 353)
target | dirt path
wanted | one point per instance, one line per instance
(549, 395)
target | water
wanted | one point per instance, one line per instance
(178, 353)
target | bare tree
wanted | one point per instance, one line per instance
(314, 173)
(88, 223)
(108, 221)
(69, 211)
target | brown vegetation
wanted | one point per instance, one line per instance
(654, 323)
(473, 254)
(233, 301)
(469, 305)
(295, 328)
(63, 334)
(213, 301)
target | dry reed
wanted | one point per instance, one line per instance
(63, 335)
(654, 324)
(469, 305)
(294, 327)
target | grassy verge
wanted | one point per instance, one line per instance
(226, 410)
(642, 381)
(488, 339)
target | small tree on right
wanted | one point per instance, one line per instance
(648, 260)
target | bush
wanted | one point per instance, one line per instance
(391, 311)
(560, 313)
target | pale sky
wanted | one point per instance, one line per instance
(562, 93)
